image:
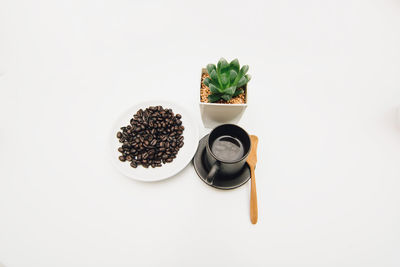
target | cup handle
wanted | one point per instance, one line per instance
(211, 174)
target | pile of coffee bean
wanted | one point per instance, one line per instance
(153, 137)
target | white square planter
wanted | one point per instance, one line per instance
(214, 114)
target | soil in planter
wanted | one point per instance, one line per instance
(205, 92)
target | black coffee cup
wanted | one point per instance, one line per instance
(227, 149)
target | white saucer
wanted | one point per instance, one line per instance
(183, 158)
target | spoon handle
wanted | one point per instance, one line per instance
(253, 198)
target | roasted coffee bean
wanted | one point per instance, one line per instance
(180, 144)
(129, 158)
(178, 116)
(168, 160)
(122, 158)
(133, 164)
(119, 135)
(145, 155)
(120, 149)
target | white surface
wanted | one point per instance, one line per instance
(324, 95)
(183, 158)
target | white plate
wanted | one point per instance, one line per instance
(184, 156)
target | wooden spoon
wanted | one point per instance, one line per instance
(252, 160)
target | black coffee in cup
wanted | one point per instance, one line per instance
(227, 147)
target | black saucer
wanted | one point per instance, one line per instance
(220, 182)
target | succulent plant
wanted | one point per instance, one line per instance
(226, 79)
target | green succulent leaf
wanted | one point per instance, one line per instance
(238, 92)
(226, 97)
(222, 65)
(214, 89)
(224, 79)
(244, 69)
(232, 76)
(235, 65)
(207, 81)
(242, 81)
(248, 77)
(230, 90)
(214, 98)
(214, 77)
(210, 68)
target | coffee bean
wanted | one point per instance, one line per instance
(122, 158)
(169, 160)
(119, 135)
(178, 116)
(120, 149)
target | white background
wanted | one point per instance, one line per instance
(323, 101)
